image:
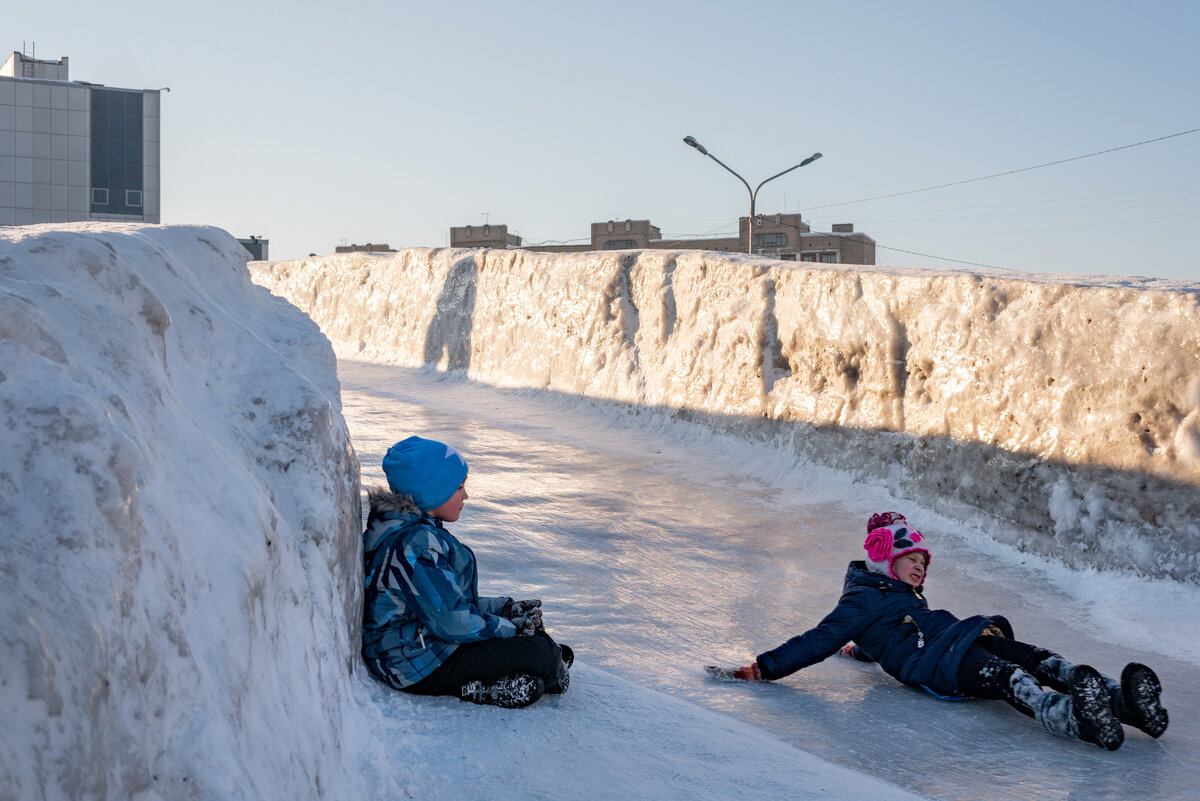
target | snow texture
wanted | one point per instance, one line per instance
(1062, 412)
(180, 508)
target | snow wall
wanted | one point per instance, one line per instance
(1065, 407)
(179, 526)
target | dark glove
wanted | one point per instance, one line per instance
(525, 615)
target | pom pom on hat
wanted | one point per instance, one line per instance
(889, 537)
(881, 519)
(428, 470)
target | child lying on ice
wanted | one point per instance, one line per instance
(883, 617)
(426, 630)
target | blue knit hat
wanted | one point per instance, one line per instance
(428, 470)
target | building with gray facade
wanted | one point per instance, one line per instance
(72, 150)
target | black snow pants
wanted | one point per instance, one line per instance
(986, 670)
(538, 655)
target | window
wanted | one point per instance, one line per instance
(620, 244)
(808, 257)
(829, 258)
(787, 256)
(116, 150)
(770, 240)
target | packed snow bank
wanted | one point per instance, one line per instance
(1066, 408)
(180, 511)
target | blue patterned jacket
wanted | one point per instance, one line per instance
(421, 599)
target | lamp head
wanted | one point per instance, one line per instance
(691, 140)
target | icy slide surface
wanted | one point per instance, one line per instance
(1062, 413)
(658, 551)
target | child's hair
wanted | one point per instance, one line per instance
(889, 536)
(428, 470)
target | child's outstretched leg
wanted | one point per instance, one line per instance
(1050, 669)
(1084, 712)
(1134, 699)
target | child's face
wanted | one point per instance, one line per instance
(449, 511)
(910, 568)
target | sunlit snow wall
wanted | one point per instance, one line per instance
(179, 525)
(1066, 407)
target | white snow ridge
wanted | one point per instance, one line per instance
(180, 515)
(1063, 410)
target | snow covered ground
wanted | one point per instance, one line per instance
(177, 492)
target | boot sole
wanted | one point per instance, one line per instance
(1093, 709)
(1141, 688)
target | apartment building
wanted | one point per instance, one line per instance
(778, 236)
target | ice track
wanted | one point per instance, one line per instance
(658, 549)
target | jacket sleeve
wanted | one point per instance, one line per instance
(492, 606)
(860, 653)
(429, 586)
(839, 627)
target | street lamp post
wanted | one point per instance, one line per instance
(691, 141)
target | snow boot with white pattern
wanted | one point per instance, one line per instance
(511, 692)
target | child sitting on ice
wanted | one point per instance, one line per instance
(426, 630)
(882, 610)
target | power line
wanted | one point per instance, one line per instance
(923, 255)
(882, 215)
(1007, 172)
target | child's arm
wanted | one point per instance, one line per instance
(744, 673)
(854, 651)
(428, 584)
(839, 627)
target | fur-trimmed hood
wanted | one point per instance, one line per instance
(381, 499)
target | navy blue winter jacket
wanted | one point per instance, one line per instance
(893, 624)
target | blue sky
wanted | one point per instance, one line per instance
(315, 124)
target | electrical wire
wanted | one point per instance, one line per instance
(1007, 172)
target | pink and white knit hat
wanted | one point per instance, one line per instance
(889, 537)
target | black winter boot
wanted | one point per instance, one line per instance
(1092, 707)
(511, 692)
(563, 679)
(1139, 703)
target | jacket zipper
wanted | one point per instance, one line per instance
(920, 634)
